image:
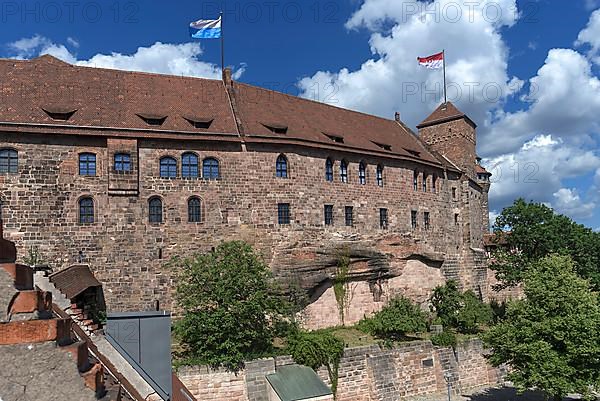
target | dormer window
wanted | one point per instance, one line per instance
(334, 138)
(383, 146)
(151, 119)
(413, 152)
(200, 123)
(59, 114)
(277, 128)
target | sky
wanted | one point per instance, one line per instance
(527, 72)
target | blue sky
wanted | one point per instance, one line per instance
(525, 71)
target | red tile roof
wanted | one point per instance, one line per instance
(445, 112)
(481, 170)
(74, 280)
(134, 103)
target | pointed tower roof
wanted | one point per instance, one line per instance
(444, 113)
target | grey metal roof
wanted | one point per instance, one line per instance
(296, 382)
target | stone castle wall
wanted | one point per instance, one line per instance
(128, 254)
(365, 374)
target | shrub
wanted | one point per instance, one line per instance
(444, 339)
(396, 319)
(462, 311)
(316, 349)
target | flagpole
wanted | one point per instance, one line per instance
(444, 59)
(222, 43)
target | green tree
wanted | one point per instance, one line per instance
(551, 339)
(535, 232)
(230, 306)
(462, 311)
(316, 349)
(395, 320)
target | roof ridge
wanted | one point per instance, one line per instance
(316, 101)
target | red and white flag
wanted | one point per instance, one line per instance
(432, 62)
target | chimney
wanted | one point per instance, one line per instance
(227, 76)
(397, 117)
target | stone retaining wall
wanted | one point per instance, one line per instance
(365, 374)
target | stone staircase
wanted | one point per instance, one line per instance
(35, 345)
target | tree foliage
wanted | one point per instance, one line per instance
(462, 311)
(551, 339)
(316, 349)
(395, 320)
(230, 306)
(535, 232)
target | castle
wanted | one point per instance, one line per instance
(124, 170)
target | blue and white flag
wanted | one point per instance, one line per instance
(206, 29)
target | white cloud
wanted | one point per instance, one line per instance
(162, 58)
(591, 36)
(568, 202)
(393, 81)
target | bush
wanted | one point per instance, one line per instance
(462, 311)
(230, 306)
(444, 339)
(316, 349)
(472, 314)
(396, 319)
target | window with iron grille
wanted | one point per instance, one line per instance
(416, 181)
(283, 213)
(86, 210)
(362, 173)
(189, 165)
(87, 164)
(9, 161)
(383, 219)
(328, 215)
(210, 169)
(155, 214)
(168, 167)
(379, 175)
(281, 167)
(413, 219)
(349, 216)
(329, 170)
(426, 220)
(344, 171)
(122, 162)
(425, 182)
(194, 210)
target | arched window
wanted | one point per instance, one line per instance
(194, 210)
(168, 167)
(329, 170)
(122, 162)
(281, 167)
(380, 175)
(210, 169)
(155, 214)
(189, 165)
(87, 164)
(343, 171)
(362, 173)
(86, 210)
(9, 161)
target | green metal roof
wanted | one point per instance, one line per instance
(295, 382)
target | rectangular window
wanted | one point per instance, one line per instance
(283, 213)
(413, 219)
(433, 183)
(349, 215)
(456, 219)
(328, 215)
(426, 221)
(87, 164)
(383, 219)
(122, 162)
(416, 181)
(424, 182)
(454, 193)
